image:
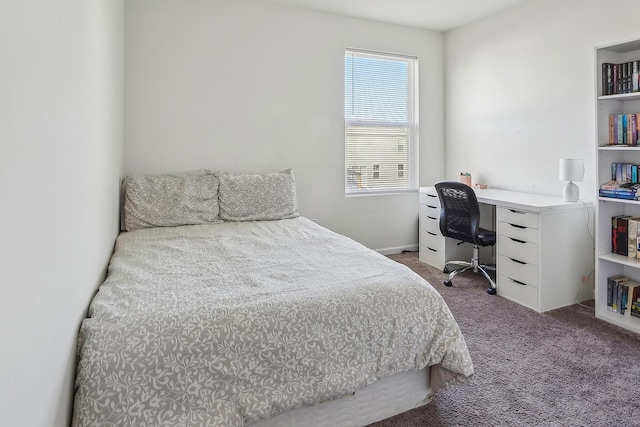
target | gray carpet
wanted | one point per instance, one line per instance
(560, 368)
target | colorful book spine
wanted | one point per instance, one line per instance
(620, 78)
(615, 194)
(607, 79)
(610, 290)
(611, 133)
(632, 239)
(620, 130)
(624, 129)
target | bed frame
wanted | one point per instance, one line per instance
(383, 399)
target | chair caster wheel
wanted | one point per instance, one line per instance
(491, 291)
(448, 283)
(446, 270)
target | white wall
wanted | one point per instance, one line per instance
(244, 86)
(520, 91)
(61, 115)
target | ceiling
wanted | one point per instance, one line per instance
(438, 15)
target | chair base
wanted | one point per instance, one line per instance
(474, 264)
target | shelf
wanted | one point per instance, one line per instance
(614, 200)
(620, 259)
(630, 323)
(619, 147)
(620, 97)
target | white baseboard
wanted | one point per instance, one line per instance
(397, 249)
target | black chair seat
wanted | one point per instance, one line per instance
(486, 237)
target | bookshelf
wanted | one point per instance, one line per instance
(609, 264)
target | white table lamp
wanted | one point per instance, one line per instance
(571, 170)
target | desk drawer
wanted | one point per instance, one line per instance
(431, 225)
(432, 240)
(431, 211)
(518, 249)
(430, 198)
(519, 232)
(521, 272)
(517, 217)
(432, 256)
(522, 294)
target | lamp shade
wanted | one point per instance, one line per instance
(571, 170)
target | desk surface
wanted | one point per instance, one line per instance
(525, 201)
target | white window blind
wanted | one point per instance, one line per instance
(381, 125)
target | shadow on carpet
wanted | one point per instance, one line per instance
(560, 368)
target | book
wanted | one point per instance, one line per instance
(610, 185)
(607, 78)
(634, 298)
(623, 235)
(621, 186)
(623, 293)
(610, 290)
(614, 293)
(617, 195)
(632, 239)
(619, 234)
(633, 293)
(623, 129)
(611, 139)
(616, 302)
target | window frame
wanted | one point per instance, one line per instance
(411, 125)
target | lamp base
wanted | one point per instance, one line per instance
(571, 192)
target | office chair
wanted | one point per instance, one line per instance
(460, 220)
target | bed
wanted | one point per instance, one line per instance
(254, 315)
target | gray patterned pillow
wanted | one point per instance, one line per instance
(249, 197)
(170, 201)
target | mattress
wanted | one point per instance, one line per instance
(382, 399)
(234, 323)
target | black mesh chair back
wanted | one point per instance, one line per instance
(460, 212)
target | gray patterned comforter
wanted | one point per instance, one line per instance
(229, 323)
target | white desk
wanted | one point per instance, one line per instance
(526, 201)
(544, 252)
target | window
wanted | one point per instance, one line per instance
(381, 125)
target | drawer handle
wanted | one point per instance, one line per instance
(432, 250)
(518, 282)
(432, 195)
(432, 207)
(516, 212)
(517, 260)
(433, 234)
(517, 240)
(431, 217)
(517, 226)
